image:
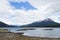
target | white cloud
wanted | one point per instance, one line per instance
(46, 8)
(17, 0)
(56, 17)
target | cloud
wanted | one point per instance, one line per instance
(46, 9)
(18, 0)
(56, 17)
(22, 5)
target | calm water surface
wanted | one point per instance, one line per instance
(41, 32)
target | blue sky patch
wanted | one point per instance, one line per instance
(22, 5)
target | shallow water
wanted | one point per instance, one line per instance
(40, 32)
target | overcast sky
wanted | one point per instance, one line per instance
(21, 12)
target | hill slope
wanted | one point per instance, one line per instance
(5, 25)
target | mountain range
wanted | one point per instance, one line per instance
(44, 23)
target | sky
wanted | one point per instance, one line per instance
(22, 12)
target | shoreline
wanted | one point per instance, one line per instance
(16, 36)
(6, 35)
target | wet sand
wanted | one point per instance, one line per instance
(18, 36)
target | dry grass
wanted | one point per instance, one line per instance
(13, 36)
(3, 30)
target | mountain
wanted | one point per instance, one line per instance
(5, 25)
(44, 23)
